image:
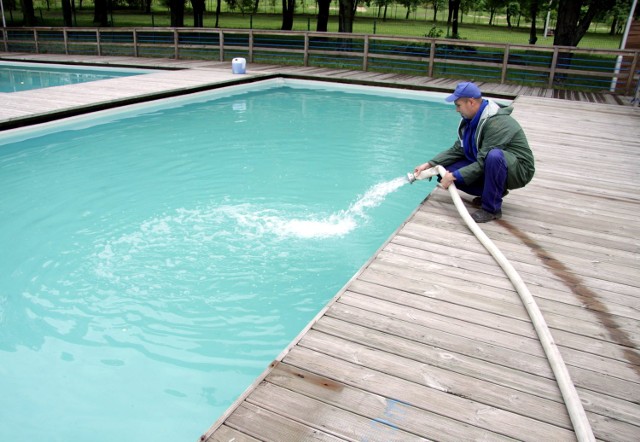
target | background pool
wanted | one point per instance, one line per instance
(156, 261)
(15, 77)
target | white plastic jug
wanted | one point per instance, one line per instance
(239, 66)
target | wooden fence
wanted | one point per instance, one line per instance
(550, 67)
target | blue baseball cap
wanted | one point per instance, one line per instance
(466, 89)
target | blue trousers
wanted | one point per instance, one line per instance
(492, 186)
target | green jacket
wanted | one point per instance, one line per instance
(496, 129)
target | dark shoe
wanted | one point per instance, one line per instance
(482, 216)
(477, 201)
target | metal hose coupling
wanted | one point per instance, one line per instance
(423, 175)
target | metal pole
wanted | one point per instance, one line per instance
(546, 22)
(623, 43)
(4, 22)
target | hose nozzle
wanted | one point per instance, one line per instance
(426, 174)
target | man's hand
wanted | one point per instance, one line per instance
(447, 179)
(422, 167)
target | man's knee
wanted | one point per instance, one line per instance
(496, 156)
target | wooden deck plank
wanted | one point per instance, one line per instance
(363, 370)
(429, 339)
(378, 408)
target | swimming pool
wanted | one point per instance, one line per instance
(17, 76)
(158, 258)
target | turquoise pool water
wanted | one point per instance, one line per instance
(156, 259)
(16, 77)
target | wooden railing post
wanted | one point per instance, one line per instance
(98, 46)
(365, 57)
(251, 46)
(35, 40)
(505, 63)
(221, 38)
(432, 58)
(632, 73)
(135, 42)
(66, 41)
(552, 68)
(306, 49)
(176, 40)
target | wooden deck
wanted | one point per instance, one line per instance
(430, 340)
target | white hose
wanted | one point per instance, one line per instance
(581, 425)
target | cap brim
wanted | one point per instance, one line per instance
(450, 98)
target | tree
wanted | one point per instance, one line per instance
(67, 15)
(575, 17)
(383, 6)
(454, 9)
(217, 13)
(28, 14)
(534, 6)
(101, 12)
(411, 6)
(436, 4)
(493, 6)
(198, 7)
(288, 8)
(323, 15)
(466, 6)
(513, 8)
(347, 13)
(177, 13)
(618, 17)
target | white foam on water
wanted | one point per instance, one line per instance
(207, 231)
(340, 223)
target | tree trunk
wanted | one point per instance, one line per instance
(347, 13)
(572, 24)
(29, 16)
(100, 13)
(198, 13)
(533, 32)
(217, 13)
(67, 16)
(614, 25)
(454, 6)
(288, 8)
(177, 13)
(323, 15)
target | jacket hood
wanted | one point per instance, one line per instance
(494, 108)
